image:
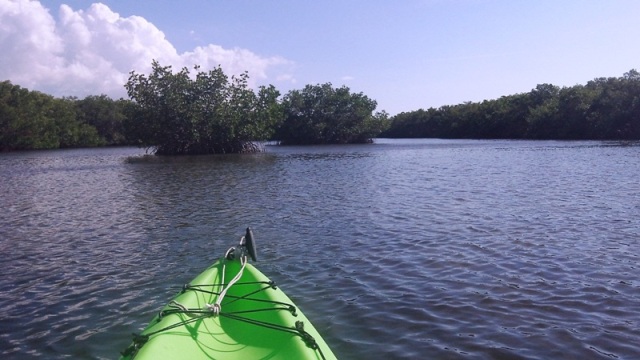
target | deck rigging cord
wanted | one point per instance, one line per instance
(217, 306)
(215, 309)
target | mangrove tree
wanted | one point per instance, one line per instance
(174, 113)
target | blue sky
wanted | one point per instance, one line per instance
(405, 54)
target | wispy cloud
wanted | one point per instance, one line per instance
(92, 51)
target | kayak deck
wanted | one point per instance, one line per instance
(255, 320)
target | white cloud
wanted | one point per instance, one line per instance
(288, 78)
(233, 61)
(91, 52)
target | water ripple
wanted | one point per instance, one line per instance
(401, 249)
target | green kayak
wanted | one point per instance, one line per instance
(230, 311)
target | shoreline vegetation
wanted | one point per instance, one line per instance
(210, 113)
(603, 109)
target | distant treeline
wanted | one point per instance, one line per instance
(34, 120)
(604, 108)
(176, 114)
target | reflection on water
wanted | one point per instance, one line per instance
(400, 249)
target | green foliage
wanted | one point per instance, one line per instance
(322, 114)
(176, 114)
(105, 115)
(70, 131)
(605, 108)
(211, 113)
(33, 120)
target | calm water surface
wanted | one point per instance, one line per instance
(400, 249)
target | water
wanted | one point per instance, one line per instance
(400, 249)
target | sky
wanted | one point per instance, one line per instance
(405, 54)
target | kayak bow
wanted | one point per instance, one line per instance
(230, 311)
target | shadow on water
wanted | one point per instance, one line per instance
(200, 159)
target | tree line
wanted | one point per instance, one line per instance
(603, 109)
(180, 113)
(177, 113)
(34, 120)
(209, 112)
